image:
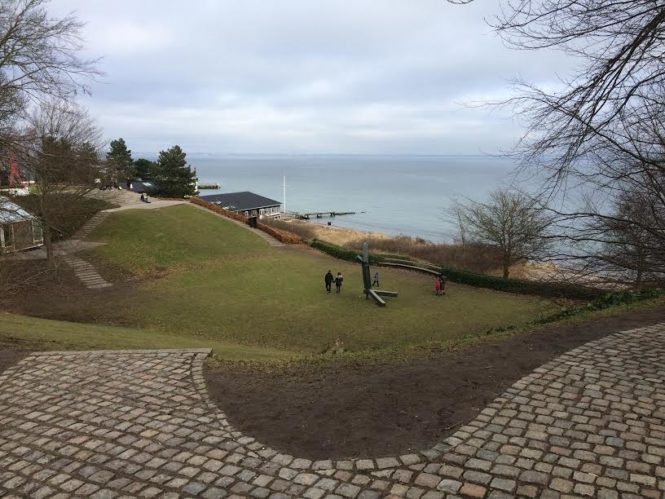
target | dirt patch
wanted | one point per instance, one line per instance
(9, 356)
(342, 410)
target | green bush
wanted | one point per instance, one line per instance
(339, 252)
(546, 289)
(606, 300)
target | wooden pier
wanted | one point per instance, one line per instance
(208, 185)
(322, 214)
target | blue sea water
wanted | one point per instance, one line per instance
(391, 194)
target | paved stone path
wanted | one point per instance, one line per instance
(91, 224)
(86, 272)
(139, 424)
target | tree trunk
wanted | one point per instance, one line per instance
(506, 267)
(48, 244)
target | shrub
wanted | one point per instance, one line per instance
(218, 209)
(303, 229)
(474, 257)
(279, 234)
(606, 300)
(546, 289)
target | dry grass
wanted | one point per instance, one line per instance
(477, 258)
(305, 230)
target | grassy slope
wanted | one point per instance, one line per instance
(224, 283)
(30, 333)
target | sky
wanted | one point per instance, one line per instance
(303, 76)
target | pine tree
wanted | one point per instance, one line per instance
(120, 159)
(175, 178)
(145, 169)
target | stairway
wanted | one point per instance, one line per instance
(90, 225)
(86, 273)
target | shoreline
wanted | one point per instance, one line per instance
(530, 270)
(336, 234)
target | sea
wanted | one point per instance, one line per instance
(407, 195)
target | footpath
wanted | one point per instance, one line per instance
(590, 423)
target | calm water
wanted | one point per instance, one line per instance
(395, 195)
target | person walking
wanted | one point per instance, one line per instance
(437, 286)
(328, 279)
(338, 281)
(376, 279)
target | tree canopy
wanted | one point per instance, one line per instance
(510, 221)
(38, 57)
(174, 177)
(119, 159)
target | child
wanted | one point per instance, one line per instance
(338, 281)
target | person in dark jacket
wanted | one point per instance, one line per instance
(328, 280)
(338, 281)
(376, 279)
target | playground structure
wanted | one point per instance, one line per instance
(376, 294)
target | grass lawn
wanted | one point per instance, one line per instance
(32, 333)
(221, 283)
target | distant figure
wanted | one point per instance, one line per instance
(146, 198)
(376, 279)
(437, 286)
(338, 281)
(444, 280)
(328, 280)
(142, 197)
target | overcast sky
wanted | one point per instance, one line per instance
(304, 76)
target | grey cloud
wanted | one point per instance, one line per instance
(302, 76)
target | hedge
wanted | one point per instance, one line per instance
(607, 300)
(546, 289)
(281, 235)
(218, 209)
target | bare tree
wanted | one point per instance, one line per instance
(60, 148)
(602, 133)
(619, 46)
(511, 221)
(38, 57)
(619, 229)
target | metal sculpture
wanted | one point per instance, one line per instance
(376, 294)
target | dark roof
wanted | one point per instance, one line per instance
(241, 201)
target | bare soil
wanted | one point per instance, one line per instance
(10, 354)
(341, 410)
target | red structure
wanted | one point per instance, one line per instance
(15, 179)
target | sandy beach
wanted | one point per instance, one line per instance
(334, 234)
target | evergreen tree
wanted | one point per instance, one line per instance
(145, 169)
(175, 178)
(120, 159)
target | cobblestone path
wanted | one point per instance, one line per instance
(109, 424)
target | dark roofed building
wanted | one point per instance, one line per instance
(247, 203)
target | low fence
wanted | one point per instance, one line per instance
(279, 234)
